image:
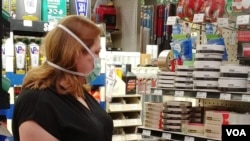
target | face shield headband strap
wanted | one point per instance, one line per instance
(81, 42)
(76, 38)
(65, 70)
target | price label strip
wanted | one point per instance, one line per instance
(224, 96)
(245, 98)
(187, 138)
(222, 22)
(242, 20)
(27, 23)
(146, 132)
(158, 92)
(179, 93)
(201, 95)
(166, 135)
(198, 18)
(172, 20)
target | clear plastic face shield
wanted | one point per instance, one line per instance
(97, 62)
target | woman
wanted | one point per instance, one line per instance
(54, 104)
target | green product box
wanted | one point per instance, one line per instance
(54, 10)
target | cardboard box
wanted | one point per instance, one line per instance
(212, 131)
(145, 59)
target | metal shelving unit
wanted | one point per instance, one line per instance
(126, 113)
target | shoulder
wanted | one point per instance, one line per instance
(33, 96)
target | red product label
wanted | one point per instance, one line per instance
(131, 85)
(225, 119)
(244, 36)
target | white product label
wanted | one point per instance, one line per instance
(201, 94)
(224, 96)
(242, 20)
(245, 98)
(198, 18)
(27, 23)
(134, 107)
(158, 92)
(166, 135)
(146, 132)
(187, 138)
(222, 22)
(179, 93)
(171, 20)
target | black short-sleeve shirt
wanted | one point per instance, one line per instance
(62, 116)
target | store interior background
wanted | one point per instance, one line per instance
(140, 115)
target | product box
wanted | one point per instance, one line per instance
(217, 117)
(54, 10)
(212, 131)
(193, 129)
(145, 59)
(28, 10)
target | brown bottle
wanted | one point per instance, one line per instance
(130, 80)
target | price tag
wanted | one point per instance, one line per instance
(166, 136)
(118, 123)
(242, 20)
(133, 121)
(222, 22)
(198, 18)
(27, 23)
(187, 138)
(245, 98)
(158, 92)
(179, 93)
(201, 94)
(171, 20)
(135, 107)
(224, 96)
(146, 132)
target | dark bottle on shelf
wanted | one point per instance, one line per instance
(129, 79)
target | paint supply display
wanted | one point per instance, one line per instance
(233, 78)
(208, 60)
(175, 113)
(184, 77)
(166, 79)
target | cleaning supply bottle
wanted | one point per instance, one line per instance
(130, 80)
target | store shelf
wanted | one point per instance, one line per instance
(125, 111)
(127, 122)
(170, 135)
(29, 28)
(230, 96)
(127, 137)
(128, 95)
(113, 49)
(124, 107)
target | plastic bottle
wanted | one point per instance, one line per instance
(130, 80)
